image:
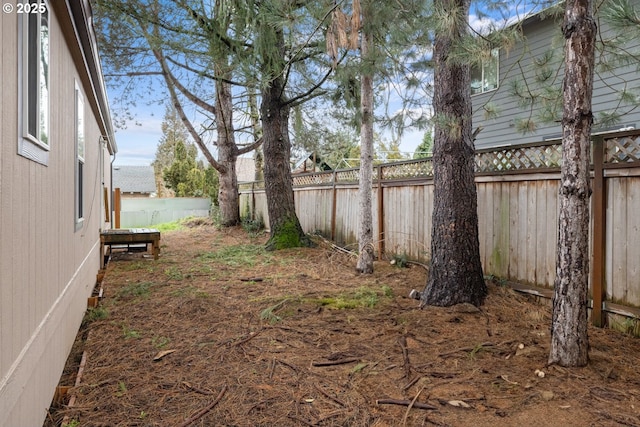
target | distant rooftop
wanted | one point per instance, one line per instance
(134, 179)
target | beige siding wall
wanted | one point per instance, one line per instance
(47, 268)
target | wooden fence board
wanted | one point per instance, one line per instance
(618, 246)
(540, 238)
(633, 237)
(517, 212)
(551, 233)
(531, 231)
(514, 235)
(485, 217)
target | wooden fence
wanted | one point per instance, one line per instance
(517, 208)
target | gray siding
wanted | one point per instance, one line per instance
(542, 36)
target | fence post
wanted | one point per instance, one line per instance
(105, 195)
(253, 201)
(380, 215)
(334, 178)
(117, 207)
(598, 207)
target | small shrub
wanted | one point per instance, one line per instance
(96, 313)
(252, 226)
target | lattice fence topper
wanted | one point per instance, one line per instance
(622, 149)
(417, 169)
(348, 175)
(519, 158)
(313, 178)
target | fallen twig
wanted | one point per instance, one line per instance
(448, 353)
(328, 396)
(252, 279)
(250, 337)
(196, 389)
(295, 369)
(330, 415)
(413, 401)
(405, 356)
(418, 405)
(335, 362)
(272, 368)
(425, 266)
(411, 383)
(195, 417)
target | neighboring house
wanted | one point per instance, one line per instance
(56, 143)
(135, 181)
(245, 169)
(310, 162)
(531, 66)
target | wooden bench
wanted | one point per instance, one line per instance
(130, 236)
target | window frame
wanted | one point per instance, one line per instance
(34, 147)
(495, 53)
(80, 152)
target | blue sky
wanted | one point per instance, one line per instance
(137, 143)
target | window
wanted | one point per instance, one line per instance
(485, 78)
(34, 141)
(79, 151)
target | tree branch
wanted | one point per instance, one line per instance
(203, 74)
(170, 80)
(136, 74)
(296, 100)
(250, 147)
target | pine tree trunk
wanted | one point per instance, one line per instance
(365, 224)
(455, 275)
(228, 196)
(569, 339)
(286, 231)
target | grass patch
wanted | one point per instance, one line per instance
(170, 226)
(129, 333)
(96, 313)
(141, 289)
(173, 273)
(363, 297)
(238, 255)
(132, 266)
(191, 292)
(160, 342)
(269, 315)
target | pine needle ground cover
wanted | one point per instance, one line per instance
(220, 332)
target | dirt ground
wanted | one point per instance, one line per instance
(219, 332)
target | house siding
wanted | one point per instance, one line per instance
(47, 269)
(542, 35)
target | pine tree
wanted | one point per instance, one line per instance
(569, 339)
(455, 274)
(425, 149)
(173, 131)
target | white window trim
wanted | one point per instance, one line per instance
(80, 139)
(482, 67)
(28, 145)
